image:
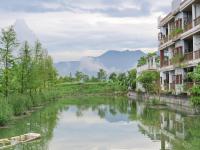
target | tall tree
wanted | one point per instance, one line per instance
(132, 75)
(113, 77)
(101, 75)
(8, 43)
(24, 67)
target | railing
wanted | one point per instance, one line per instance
(188, 85)
(164, 40)
(197, 54)
(188, 26)
(165, 63)
(197, 21)
(166, 87)
(188, 56)
(172, 86)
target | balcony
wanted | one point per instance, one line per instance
(197, 21)
(188, 85)
(166, 87)
(172, 86)
(188, 56)
(188, 26)
(165, 63)
(147, 67)
(197, 54)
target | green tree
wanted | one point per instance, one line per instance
(8, 43)
(79, 75)
(142, 61)
(149, 81)
(132, 76)
(101, 75)
(195, 91)
(122, 78)
(24, 67)
(113, 77)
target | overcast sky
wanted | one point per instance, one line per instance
(71, 29)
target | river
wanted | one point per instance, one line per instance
(106, 123)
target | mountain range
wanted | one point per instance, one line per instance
(111, 61)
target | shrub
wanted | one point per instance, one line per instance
(19, 104)
(5, 112)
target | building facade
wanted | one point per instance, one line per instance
(179, 45)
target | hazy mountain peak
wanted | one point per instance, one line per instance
(111, 61)
(24, 33)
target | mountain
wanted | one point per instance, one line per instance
(24, 33)
(111, 61)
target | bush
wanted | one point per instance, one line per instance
(19, 103)
(5, 112)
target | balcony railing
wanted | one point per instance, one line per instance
(165, 63)
(197, 21)
(172, 86)
(188, 85)
(166, 87)
(188, 26)
(188, 56)
(197, 54)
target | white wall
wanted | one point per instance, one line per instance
(196, 42)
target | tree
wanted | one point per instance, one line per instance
(195, 90)
(122, 78)
(142, 61)
(101, 75)
(113, 77)
(149, 81)
(24, 67)
(8, 43)
(132, 75)
(79, 76)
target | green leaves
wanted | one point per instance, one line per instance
(149, 80)
(195, 91)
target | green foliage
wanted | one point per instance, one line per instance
(23, 76)
(195, 91)
(177, 59)
(149, 80)
(177, 32)
(122, 78)
(113, 77)
(101, 75)
(8, 43)
(5, 112)
(142, 61)
(132, 75)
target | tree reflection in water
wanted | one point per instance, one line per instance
(174, 130)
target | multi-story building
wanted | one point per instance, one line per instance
(179, 45)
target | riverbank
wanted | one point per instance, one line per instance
(175, 103)
(17, 106)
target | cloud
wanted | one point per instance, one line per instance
(89, 64)
(71, 28)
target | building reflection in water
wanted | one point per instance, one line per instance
(161, 125)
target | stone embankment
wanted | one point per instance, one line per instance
(176, 103)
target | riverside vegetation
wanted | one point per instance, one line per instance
(26, 76)
(29, 80)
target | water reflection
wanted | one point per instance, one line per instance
(106, 123)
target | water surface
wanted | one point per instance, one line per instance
(107, 123)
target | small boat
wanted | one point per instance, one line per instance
(13, 141)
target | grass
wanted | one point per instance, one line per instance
(18, 104)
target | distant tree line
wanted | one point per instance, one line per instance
(127, 79)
